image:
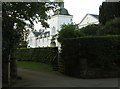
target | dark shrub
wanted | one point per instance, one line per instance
(93, 54)
(111, 28)
(44, 55)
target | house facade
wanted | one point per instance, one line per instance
(88, 20)
(38, 39)
(43, 39)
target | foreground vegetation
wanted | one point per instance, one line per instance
(92, 51)
(91, 57)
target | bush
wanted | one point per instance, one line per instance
(68, 31)
(111, 28)
(71, 31)
(90, 30)
(91, 54)
(44, 55)
(109, 11)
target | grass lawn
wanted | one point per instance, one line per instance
(36, 66)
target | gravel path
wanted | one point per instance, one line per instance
(55, 79)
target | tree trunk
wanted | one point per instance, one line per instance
(13, 67)
(5, 70)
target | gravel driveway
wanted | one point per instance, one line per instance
(56, 79)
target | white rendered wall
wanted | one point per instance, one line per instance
(31, 40)
(58, 20)
(33, 43)
(43, 42)
(88, 20)
(64, 20)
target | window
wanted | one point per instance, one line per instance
(47, 34)
(53, 31)
(70, 20)
(31, 41)
(43, 40)
(47, 39)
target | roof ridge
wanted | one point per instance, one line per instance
(95, 15)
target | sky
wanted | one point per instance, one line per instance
(79, 8)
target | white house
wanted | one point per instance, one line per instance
(60, 17)
(43, 39)
(38, 39)
(88, 20)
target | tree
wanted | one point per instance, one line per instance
(68, 31)
(14, 14)
(90, 30)
(111, 27)
(108, 11)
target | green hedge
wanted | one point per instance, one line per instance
(85, 54)
(44, 55)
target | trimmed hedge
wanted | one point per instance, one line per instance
(91, 56)
(44, 55)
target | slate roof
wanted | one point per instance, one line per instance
(96, 16)
(41, 33)
(61, 11)
(37, 33)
